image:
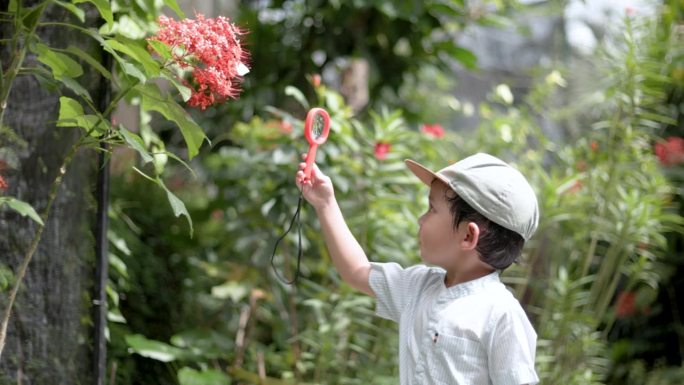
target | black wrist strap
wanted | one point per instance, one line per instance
(295, 218)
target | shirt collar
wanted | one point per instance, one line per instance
(476, 285)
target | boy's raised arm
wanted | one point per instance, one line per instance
(349, 258)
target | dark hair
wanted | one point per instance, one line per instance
(497, 246)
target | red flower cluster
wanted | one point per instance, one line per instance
(381, 150)
(212, 50)
(670, 152)
(626, 304)
(3, 182)
(433, 130)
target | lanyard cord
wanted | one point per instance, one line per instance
(296, 218)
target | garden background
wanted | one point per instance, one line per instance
(111, 192)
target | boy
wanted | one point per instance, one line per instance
(458, 324)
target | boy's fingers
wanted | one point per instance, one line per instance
(302, 166)
(303, 155)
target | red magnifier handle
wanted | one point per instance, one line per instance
(314, 142)
(310, 158)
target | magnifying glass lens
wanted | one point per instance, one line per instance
(318, 126)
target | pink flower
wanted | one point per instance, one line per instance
(630, 11)
(433, 130)
(210, 48)
(381, 150)
(671, 151)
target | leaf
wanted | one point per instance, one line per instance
(298, 95)
(22, 208)
(466, 57)
(75, 86)
(103, 6)
(174, 6)
(69, 108)
(188, 376)
(230, 289)
(155, 350)
(135, 142)
(31, 18)
(160, 48)
(73, 9)
(86, 57)
(176, 204)
(59, 63)
(13, 6)
(136, 52)
(153, 100)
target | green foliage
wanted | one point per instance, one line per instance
(291, 40)
(605, 206)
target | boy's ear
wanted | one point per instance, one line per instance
(472, 235)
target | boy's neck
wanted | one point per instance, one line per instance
(455, 277)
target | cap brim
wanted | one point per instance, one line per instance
(423, 173)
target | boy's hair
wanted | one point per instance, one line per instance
(497, 246)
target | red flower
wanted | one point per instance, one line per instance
(594, 145)
(316, 80)
(212, 50)
(381, 150)
(670, 152)
(433, 130)
(625, 305)
(3, 182)
(285, 127)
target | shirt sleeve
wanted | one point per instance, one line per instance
(395, 287)
(512, 348)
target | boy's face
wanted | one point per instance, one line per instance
(439, 241)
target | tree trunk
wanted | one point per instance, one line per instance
(50, 332)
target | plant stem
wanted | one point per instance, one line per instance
(36, 240)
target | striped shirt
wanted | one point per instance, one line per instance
(473, 333)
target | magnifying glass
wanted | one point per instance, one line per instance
(316, 130)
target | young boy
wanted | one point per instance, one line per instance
(458, 324)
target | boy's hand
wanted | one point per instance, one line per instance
(318, 190)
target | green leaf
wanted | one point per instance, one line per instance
(466, 57)
(31, 18)
(86, 57)
(155, 350)
(73, 9)
(152, 99)
(162, 49)
(298, 95)
(59, 63)
(69, 108)
(135, 142)
(75, 86)
(230, 289)
(185, 92)
(174, 6)
(13, 6)
(176, 204)
(103, 6)
(71, 115)
(135, 51)
(22, 208)
(188, 376)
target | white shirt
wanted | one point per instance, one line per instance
(473, 333)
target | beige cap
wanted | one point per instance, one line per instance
(490, 186)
